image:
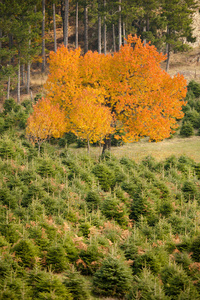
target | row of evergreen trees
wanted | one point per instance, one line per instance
(24, 24)
(79, 227)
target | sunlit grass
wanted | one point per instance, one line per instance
(161, 150)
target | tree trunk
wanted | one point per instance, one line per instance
(124, 33)
(18, 83)
(147, 23)
(66, 23)
(23, 74)
(120, 25)
(28, 77)
(0, 42)
(28, 67)
(43, 36)
(107, 144)
(168, 57)
(10, 46)
(114, 42)
(86, 29)
(8, 88)
(144, 30)
(76, 41)
(99, 28)
(54, 27)
(167, 51)
(104, 29)
(88, 146)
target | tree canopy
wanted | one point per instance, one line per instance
(142, 98)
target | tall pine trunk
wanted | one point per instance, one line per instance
(18, 82)
(54, 27)
(124, 33)
(28, 77)
(28, 67)
(144, 40)
(167, 52)
(8, 88)
(168, 57)
(0, 42)
(76, 33)
(120, 25)
(23, 74)
(114, 41)
(43, 36)
(85, 28)
(66, 23)
(104, 29)
(99, 27)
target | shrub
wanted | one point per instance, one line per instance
(192, 116)
(90, 259)
(6, 198)
(9, 105)
(56, 258)
(195, 249)
(27, 252)
(8, 149)
(47, 286)
(197, 170)
(187, 129)
(140, 206)
(112, 279)
(2, 124)
(105, 176)
(195, 88)
(147, 286)
(175, 281)
(112, 208)
(76, 285)
(189, 189)
(93, 200)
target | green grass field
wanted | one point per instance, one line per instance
(161, 150)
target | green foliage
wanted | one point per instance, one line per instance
(76, 284)
(90, 260)
(189, 189)
(93, 200)
(192, 117)
(47, 285)
(176, 281)
(9, 105)
(187, 129)
(113, 208)
(194, 87)
(195, 249)
(60, 211)
(105, 176)
(56, 258)
(147, 286)
(26, 251)
(112, 279)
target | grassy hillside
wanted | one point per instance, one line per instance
(74, 226)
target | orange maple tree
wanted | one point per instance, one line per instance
(89, 119)
(46, 121)
(142, 98)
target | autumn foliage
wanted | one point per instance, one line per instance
(46, 121)
(126, 91)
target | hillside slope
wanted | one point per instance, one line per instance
(76, 227)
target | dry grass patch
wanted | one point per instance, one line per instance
(160, 150)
